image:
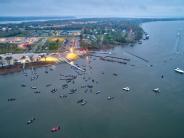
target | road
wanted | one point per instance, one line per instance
(38, 46)
(74, 42)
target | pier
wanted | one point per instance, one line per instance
(112, 59)
(126, 59)
(73, 65)
(145, 60)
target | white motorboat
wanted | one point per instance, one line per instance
(156, 90)
(126, 89)
(178, 70)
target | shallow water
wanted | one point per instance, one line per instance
(138, 113)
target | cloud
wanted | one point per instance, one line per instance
(92, 7)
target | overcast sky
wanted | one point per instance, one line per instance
(100, 8)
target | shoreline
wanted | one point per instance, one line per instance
(19, 67)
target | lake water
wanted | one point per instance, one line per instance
(137, 113)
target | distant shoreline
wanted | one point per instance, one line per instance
(19, 20)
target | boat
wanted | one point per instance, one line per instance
(139, 42)
(84, 102)
(178, 70)
(33, 78)
(63, 96)
(147, 37)
(53, 90)
(73, 90)
(36, 92)
(110, 98)
(90, 86)
(65, 86)
(115, 74)
(23, 85)
(80, 101)
(55, 129)
(157, 90)
(98, 92)
(126, 89)
(131, 44)
(11, 99)
(52, 67)
(33, 87)
(31, 121)
(25, 74)
(46, 72)
(48, 85)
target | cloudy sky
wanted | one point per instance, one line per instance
(100, 8)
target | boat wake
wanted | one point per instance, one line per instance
(178, 49)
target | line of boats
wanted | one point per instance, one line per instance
(156, 90)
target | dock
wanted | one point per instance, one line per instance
(145, 60)
(73, 65)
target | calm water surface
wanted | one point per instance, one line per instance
(138, 113)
